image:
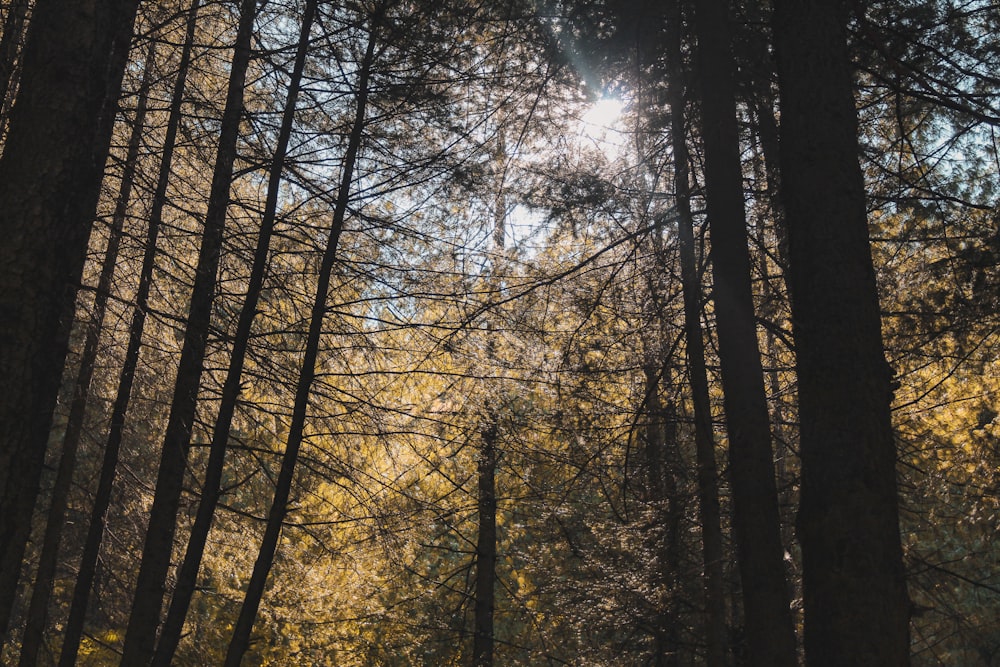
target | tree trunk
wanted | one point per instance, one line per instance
(50, 176)
(188, 573)
(112, 447)
(708, 477)
(484, 601)
(41, 592)
(769, 631)
(856, 604)
(10, 49)
(140, 635)
(486, 546)
(662, 470)
(279, 506)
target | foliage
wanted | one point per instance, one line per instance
(501, 268)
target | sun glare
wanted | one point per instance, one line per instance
(604, 113)
(600, 125)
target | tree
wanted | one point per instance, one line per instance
(144, 620)
(42, 589)
(188, 571)
(113, 442)
(856, 604)
(453, 368)
(769, 632)
(708, 482)
(50, 176)
(279, 505)
(488, 431)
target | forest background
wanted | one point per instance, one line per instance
(406, 332)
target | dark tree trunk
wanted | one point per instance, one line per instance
(140, 635)
(50, 177)
(769, 631)
(41, 592)
(112, 447)
(10, 49)
(760, 94)
(486, 546)
(188, 572)
(856, 604)
(485, 564)
(279, 506)
(661, 488)
(708, 477)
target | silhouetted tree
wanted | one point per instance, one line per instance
(50, 176)
(856, 605)
(769, 633)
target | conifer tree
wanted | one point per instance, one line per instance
(41, 591)
(50, 176)
(240, 640)
(144, 619)
(756, 526)
(856, 605)
(188, 571)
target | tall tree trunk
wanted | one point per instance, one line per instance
(756, 80)
(140, 635)
(240, 640)
(41, 592)
(772, 298)
(10, 49)
(661, 489)
(486, 545)
(484, 602)
(769, 631)
(112, 447)
(856, 604)
(50, 176)
(188, 572)
(713, 552)
(665, 508)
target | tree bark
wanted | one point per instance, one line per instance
(140, 635)
(188, 573)
(769, 630)
(112, 447)
(10, 49)
(240, 640)
(856, 604)
(50, 176)
(34, 629)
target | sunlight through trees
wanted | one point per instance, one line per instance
(423, 332)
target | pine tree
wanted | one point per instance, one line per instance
(50, 175)
(856, 604)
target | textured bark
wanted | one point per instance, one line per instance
(769, 631)
(240, 640)
(112, 447)
(34, 629)
(10, 50)
(856, 605)
(708, 477)
(50, 177)
(188, 572)
(144, 620)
